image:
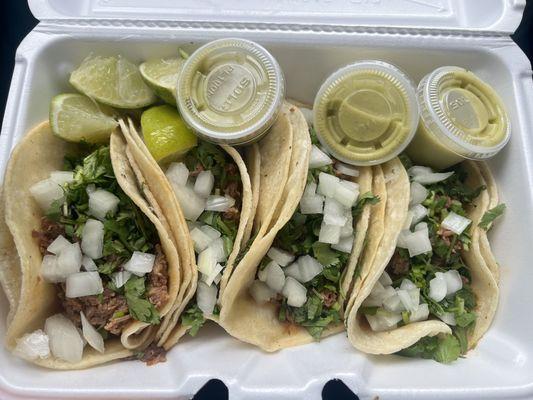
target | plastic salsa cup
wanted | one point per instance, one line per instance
(366, 113)
(461, 117)
(230, 91)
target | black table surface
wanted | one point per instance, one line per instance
(17, 21)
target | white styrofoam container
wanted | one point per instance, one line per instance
(310, 39)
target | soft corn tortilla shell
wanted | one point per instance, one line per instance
(33, 159)
(253, 161)
(138, 333)
(241, 316)
(156, 181)
(483, 283)
(275, 154)
(494, 200)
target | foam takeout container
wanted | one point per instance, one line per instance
(310, 39)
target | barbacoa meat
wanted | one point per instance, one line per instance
(153, 354)
(50, 230)
(99, 310)
(158, 279)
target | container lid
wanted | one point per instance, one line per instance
(463, 112)
(366, 113)
(230, 91)
(497, 15)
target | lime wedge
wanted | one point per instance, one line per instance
(77, 118)
(162, 76)
(165, 133)
(114, 81)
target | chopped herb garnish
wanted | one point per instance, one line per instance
(490, 215)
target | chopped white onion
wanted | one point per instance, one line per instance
(217, 279)
(90, 188)
(329, 233)
(69, 260)
(422, 226)
(206, 297)
(209, 231)
(383, 321)
(310, 189)
(415, 295)
(83, 284)
(92, 239)
(454, 282)
(219, 203)
(66, 342)
(345, 244)
(416, 242)
(102, 203)
(418, 193)
(346, 193)
(280, 256)
(46, 192)
(426, 176)
(62, 177)
(393, 304)
(408, 220)
(140, 263)
(49, 270)
(204, 183)
(347, 229)
(309, 268)
(327, 184)
(275, 277)
(448, 318)
(120, 278)
(421, 313)
(95, 340)
(407, 285)
(345, 169)
(88, 264)
(33, 345)
(318, 158)
(385, 279)
(58, 245)
(455, 223)
(419, 213)
(207, 261)
(406, 300)
(191, 204)
(437, 288)
(378, 295)
(312, 204)
(219, 252)
(210, 278)
(292, 270)
(295, 292)
(260, 292)
(177, 174)
(200, 239)
(334, 213)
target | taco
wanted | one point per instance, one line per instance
(89, 266)
(212, 190)
(430, 292)
(291, 286)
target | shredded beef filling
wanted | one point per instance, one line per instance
(158, 279)
(153, 354)
(50, 230)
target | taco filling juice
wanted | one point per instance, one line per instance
(428, 277)
(302, 271)
(101, 252)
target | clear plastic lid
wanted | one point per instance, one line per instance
(230, 91)
(366, 113)
(463, 113)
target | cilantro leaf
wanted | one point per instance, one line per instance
(324, 254)
(193, 318)
(490, 215)
(364, 199)
(140, 309)
(443, 349)
(448, 350)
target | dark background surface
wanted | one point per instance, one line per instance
(17, 21)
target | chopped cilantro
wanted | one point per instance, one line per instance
(489, 216)
(193, 318)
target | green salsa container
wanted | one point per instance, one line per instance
(366, 113)
(461, 117)
(230, 91)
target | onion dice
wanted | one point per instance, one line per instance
(140, 263)
(62, 177)
(318, 158)
(280, 256)
(329, 233)
(46, 192)
(295, 292)
(191, 204)
(83, 284)
(455, 223)
(418, 194)
(219, 203)
(206, 297)
(177, 174)
(33, 345)
(312, 204)
(58, 245)
(454, 282)
(309, 268)
(204, 183)
(345, 244)
(69, 260)
(200, 239)
(92, 239)
(260, 292)
(102, 203)
(334, 213)
(65, 340)
(274, 276)
(437, 288)
(95, 340)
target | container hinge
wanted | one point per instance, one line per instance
(125, 25)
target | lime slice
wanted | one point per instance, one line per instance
(165, 133)
(162, 76)
(113, 81)
(77, 118)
